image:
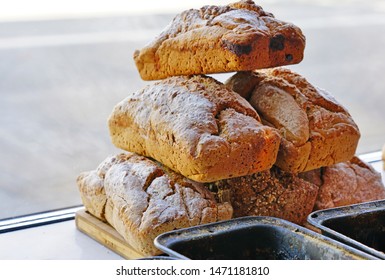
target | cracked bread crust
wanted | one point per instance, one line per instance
(316, 130)
(269, 193)
(195, 126)
(91, 185)
(214, 39)
(346, 183)
(142, 199)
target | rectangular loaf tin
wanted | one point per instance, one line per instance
(263, 238)
(361, 226)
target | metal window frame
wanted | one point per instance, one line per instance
(38, 219)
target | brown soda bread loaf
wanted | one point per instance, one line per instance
(142, 199)
(346, 183)
(215, 39)
(316, 130)
(268, 193)
(195, 126)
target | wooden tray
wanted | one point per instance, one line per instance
(105, 235)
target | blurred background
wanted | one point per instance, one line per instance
(65, 64)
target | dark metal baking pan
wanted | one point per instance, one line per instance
(361, 226)
(263, 238)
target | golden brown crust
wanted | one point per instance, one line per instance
(195, 126)
(237, 37)
(270, 193)
(346, 183)
(142, 199)
(92, 194)
(91, 185)
(316, 130)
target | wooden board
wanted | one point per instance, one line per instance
(105, 235)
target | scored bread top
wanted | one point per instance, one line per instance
(195, 126)
(141, 199)
(316, 130)
(215, 39)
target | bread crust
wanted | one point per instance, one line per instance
(195, 126)
(269, 193)
(214, 39)
(142, 199)
(316, 130)
(346, 183)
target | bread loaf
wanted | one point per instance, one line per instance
(214, 39)
(346, 183)
(142, 199)
(316, 130)
(269, 193)
(195, 126)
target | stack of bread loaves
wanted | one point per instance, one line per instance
(265, 142)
